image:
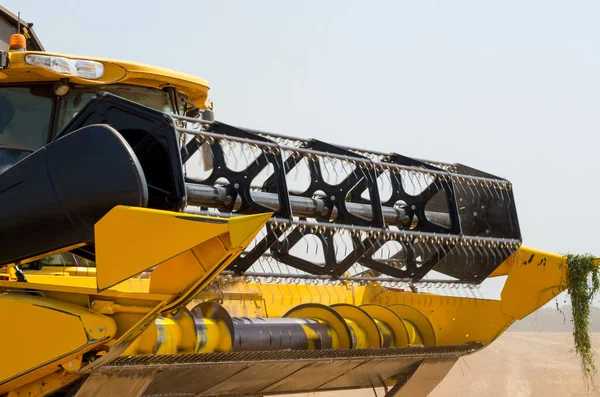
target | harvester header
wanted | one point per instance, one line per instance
(148, 249)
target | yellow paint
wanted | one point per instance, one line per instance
(181, 298)
(108, 310)
(364, 325)
(130, 240)
(277, 299)
(189, 340)
(122, 72)
(168, 336)
(328, 316)
(414, 335)
(387, 318)
(131, 285)
(54, 330)
(214, 338)
(454, 320)
(534, 279)
(45, 385)
(185, 253)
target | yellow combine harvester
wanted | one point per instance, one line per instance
(148, 250)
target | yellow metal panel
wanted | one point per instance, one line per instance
(180, 272)
(177, 273)
(66, 290)
(45, 385)
(504, 267)
(277, 299)
(130, 240)
(455, 320)
(35, 320)
(534, 279)
(240, 228)
(115, 71)
(139, 285)
(364, 321)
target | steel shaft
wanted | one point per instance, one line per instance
(217, 197)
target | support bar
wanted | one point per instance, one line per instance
(217, 197)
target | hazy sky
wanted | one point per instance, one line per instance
(509, 87)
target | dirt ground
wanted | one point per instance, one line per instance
(518, 364)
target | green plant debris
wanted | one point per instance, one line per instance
(583, 283)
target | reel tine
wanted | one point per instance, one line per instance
(394, 177)
(483, 253)
(347, 169)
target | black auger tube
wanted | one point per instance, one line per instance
(51, 199)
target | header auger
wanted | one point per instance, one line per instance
(147, 249)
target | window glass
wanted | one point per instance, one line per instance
(25, 114)
(79, 96)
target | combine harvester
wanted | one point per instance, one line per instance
(149, 250)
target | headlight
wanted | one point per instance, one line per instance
(77, 67)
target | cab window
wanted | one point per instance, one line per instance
(25, 116)
(79, 96)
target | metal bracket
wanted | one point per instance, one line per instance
(4, 60)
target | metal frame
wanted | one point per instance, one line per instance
(480, 227)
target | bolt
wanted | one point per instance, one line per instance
(475, 213)
(236, 186)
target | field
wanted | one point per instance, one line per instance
(518, 364)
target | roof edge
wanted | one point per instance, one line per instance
(33, 42)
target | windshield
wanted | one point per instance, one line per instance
(79, 96)
(26, 111)
(25, 114)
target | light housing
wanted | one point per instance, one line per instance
(90, 70)
(17, 42)
(61, 88)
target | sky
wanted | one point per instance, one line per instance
(508, 87)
